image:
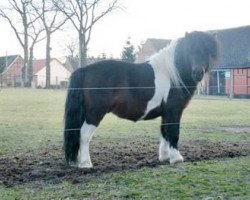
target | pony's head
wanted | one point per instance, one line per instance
(201, 51)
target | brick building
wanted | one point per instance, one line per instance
(11, 70)
(150, 47)
(232, 74)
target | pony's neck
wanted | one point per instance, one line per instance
(164, 62)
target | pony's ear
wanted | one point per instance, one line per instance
(214, 34)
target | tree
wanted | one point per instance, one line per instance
(128, 53)
(84, 14)
(71, 48)
(52, 22)
(72, 53)
(34, 36)
(16, 12)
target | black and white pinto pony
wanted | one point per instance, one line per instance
(163, 86)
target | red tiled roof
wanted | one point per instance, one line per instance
(38, 65)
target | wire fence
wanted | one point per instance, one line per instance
(39, 123)
(217, 124)
(240, 89)
(50, 117)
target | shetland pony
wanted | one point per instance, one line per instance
(160, 87)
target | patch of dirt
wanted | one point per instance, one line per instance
(107, 157)
(237, 129)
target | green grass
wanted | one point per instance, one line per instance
(33, 120)
(30, 119)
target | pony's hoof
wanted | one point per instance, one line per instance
(177, 159)
(175, 156)
(71, 164)
(85, 165)
(163, 158)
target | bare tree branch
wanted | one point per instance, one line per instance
(83, 14)
(62, 8)
(12, 26)
(108, 10)
(22, 13)
(49, 17)
(32, 18)
(94, 19)
(14, 5)
(34, 35)
(71, 47)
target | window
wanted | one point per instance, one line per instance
(240, 72)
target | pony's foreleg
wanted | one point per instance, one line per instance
(87, 131)
(163, 150)
(170, 130)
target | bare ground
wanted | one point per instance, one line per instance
(47, 166)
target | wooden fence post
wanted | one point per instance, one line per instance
(1, 81)
(231, 85)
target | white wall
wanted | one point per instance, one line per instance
(58, 73)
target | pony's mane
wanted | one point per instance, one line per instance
(164, 61)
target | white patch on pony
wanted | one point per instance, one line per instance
(175, 156)
(87, 131)
(165, 73)
(163, 150)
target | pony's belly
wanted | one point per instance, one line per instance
(152, 105)
(130, 110)
(156, 112)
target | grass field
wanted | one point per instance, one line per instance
(32, 120)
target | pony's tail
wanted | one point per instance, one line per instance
(74, 118)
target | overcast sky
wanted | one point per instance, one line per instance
(142, 19)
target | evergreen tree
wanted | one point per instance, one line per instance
(128, 53)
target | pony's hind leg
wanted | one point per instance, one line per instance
(87, 131)
(170, 136)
